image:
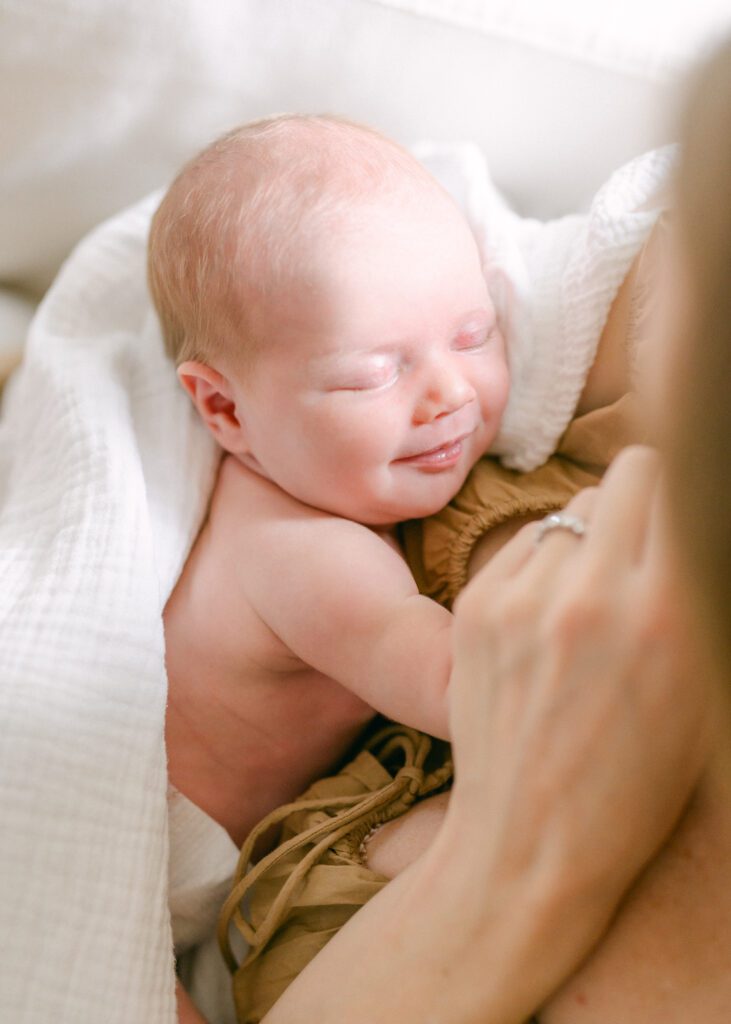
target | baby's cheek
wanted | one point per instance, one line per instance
(497, 386)
(373, 430)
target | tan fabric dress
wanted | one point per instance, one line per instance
(296, 898)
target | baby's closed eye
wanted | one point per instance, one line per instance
(379, 373)
(474, 340)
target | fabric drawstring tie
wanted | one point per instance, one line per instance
(340, 821)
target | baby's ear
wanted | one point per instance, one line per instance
(212, 395)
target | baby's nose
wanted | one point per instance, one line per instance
(445, 392)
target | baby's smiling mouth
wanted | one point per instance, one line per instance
(441, 457)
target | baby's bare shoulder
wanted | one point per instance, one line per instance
(234, 555)
(248, 512)
(268, 550)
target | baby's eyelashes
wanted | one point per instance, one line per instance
(371, 385)
(384, 370)
(472, 341)
(380, 374)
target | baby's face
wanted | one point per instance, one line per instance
(383, 376)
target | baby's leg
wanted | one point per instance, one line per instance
(397, 844)
(292, 902)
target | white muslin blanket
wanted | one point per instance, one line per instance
(104, 478)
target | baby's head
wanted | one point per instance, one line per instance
(323, 299)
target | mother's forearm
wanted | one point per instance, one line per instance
(449, 940)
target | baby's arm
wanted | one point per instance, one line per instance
(346, 603)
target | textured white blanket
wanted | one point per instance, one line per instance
(104, 478)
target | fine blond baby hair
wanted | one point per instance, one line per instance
(231, 227)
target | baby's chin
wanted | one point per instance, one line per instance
(421, 508)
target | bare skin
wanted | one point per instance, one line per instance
(211, 695)
(656, 963)
(537, 788)
(248, 658)
(250, 722)
(295, 616)
(666, 956)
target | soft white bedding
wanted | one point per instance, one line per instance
(103, 480)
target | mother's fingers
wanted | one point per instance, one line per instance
(620, 520)
(552, 550)
(521, 548)
(510, 557)
(616, 515)
(658, 541)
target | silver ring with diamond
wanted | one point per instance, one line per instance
(560, 521)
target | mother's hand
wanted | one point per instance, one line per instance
(578, 733)
(578, 721)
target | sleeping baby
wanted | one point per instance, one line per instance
(326, 303)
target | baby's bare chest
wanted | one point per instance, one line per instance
(215, 631)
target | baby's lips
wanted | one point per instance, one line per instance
(424, 452)
(435, 459)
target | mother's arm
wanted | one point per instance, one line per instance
(563, 789)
